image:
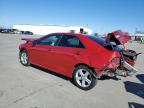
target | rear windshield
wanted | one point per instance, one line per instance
(98, 40)
(101, 42)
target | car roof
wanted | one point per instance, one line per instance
(74, 34)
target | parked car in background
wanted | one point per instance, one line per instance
(14, 31)
(26, 32)
(1, 30)
(5, 31)
(11, 31)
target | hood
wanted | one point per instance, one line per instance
(119, 37)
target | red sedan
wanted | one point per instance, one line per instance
(78, 56)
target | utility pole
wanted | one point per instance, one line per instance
(136, 29)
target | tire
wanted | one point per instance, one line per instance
(24, 58)
(83, 78)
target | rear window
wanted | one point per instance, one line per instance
(101, 42)
(98, 40)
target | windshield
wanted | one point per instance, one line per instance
(102, 42)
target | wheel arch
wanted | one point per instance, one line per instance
(20, 52)
(22, 49)
(83, 64)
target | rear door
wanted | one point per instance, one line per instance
(67, 54)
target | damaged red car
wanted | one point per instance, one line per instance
(81, 57)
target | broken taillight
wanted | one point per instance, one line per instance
(114, 63)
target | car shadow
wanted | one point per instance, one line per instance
(52, 73)
(135, 88)
(140, 77)
(135, 105)
(105, 77)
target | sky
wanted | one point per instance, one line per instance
(102, 16)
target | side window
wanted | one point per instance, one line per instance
(71, 41)
(50, 40)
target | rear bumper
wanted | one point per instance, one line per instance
(122, 69)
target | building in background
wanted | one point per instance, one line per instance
(139, 36)
(47, 29)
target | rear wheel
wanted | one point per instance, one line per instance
(24, 59)
(83, 78)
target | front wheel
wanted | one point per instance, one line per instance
(24, 59)
(83, 78)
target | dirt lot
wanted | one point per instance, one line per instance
(30, 87)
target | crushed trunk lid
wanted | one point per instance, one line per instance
(119, 37)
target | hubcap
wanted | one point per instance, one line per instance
(24, 58)
(83, 78)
